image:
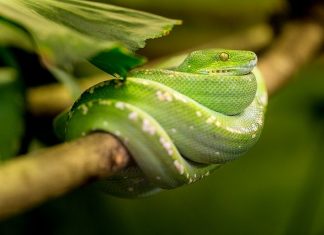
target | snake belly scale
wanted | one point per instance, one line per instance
(179, 124)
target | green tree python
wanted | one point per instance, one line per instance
(178, 124)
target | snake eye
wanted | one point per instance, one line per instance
(223, 56)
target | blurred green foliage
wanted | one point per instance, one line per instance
(203, 21)
(64, 34)
(206, 8)
(67, 32)
(12, 108)
(11, 112)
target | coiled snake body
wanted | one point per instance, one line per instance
(178, 124)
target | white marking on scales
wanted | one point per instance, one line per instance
(84, 109)
(117, 133)
(198, 113)
(104, 102)
(164, 96)
(210, 120)
(133, 116)
(166, 145)
(148, 127)
(179, 166)
(91, 90)
(180, 97)
(120, 105)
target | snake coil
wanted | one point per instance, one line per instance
(179, 124)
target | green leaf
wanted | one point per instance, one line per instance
(11, 113)
(69, 31)
(12, 35)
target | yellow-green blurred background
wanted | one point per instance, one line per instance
(277, 188)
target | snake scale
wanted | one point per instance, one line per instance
(178, 124)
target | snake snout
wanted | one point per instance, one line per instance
(248, 67)
(253, 62)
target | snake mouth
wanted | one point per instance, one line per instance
(232, 70)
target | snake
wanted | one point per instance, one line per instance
(179, 124)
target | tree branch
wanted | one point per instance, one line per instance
(296, 46)
(50, 100)
(36, 177)
(31, 179)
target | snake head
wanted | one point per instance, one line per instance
(219, 61)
